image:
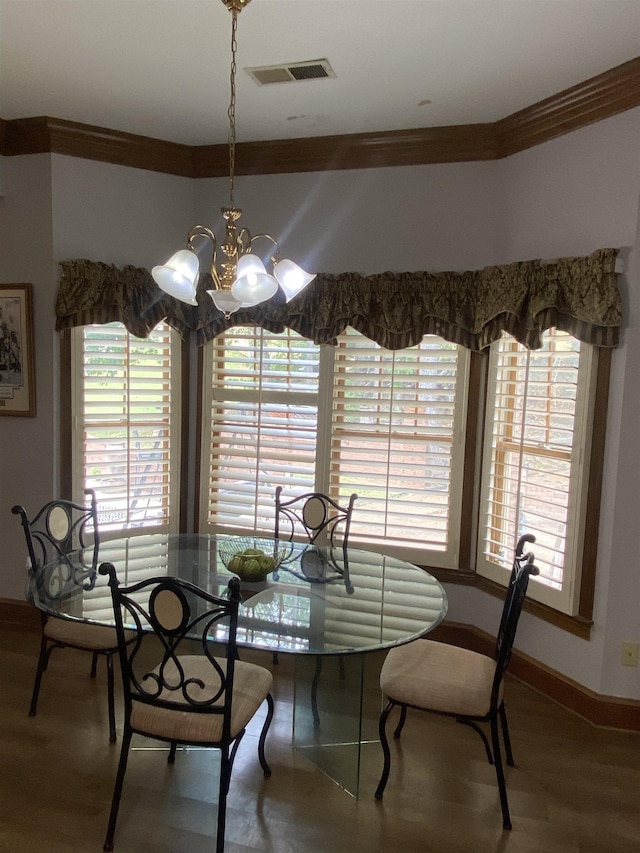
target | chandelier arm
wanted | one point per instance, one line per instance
(244, 241)
(203, 231)
(273, 240)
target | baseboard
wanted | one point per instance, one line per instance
(606, 711)
(19, 613)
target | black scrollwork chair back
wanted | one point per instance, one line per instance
(322, 519)
(57, 532)
(324, 522)
(444, 679)
(174, 695)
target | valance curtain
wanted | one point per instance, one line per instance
(577, 295)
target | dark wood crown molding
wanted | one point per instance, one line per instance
(52, 135)
(595, 99)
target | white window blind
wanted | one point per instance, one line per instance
(534, 470)
(261, 401)
(397, 440)
(280, 410)
(127, 424)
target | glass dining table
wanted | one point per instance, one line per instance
(320, 603)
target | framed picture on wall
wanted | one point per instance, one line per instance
(17, 374)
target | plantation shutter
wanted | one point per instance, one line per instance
(397, 440)
(127, 424)
(534, 470)
(261, 395)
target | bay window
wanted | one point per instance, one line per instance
(390, 426)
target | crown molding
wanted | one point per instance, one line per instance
(600, 97)
(351, 151)
(42, 135)
(606, 95)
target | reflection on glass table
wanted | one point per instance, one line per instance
(319, 603)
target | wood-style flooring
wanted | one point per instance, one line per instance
(574, 789)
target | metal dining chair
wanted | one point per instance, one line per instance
(324, 522)
(174, 695)
(59, 527)
(322, 519)
(440, 678)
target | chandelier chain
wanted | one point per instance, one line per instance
(232, 107)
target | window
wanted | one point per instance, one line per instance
(261, 413)
(356, 418)
(536, 462)
(126, 424)
(397, 418)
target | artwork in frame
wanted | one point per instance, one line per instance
(17, 374)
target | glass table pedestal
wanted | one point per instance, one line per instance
(336, 707)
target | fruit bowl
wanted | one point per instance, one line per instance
(251, 558)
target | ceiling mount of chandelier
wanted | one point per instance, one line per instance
(241, 278)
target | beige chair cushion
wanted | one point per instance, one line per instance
(439, 677)
(81, 634)
(251, 684)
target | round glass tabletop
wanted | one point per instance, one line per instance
(318, 601)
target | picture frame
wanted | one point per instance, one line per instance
(17, 366)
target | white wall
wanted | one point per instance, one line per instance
(569, 196)
(118, 215)
(370, 220)
(27, 458)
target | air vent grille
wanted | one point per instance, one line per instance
(292, 72)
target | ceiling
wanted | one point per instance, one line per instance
(160, 68)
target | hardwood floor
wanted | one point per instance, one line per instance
(574, 789)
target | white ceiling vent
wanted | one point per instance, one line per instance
(314, 69)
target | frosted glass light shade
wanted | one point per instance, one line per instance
(224, 301)
(291, 277)
(253, 284)
(178, 276)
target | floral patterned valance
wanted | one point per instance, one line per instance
(577, 295)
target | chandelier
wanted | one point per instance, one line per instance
(241, 279)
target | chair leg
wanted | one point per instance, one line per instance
(275, 659)
(263, 737)
(172, 752)
(226, 763)
(505, 734)
(314, 691)
(42, 665)
(94, 664)
(117, 791)
(473, 725)
(111, 699)
(502, 785)
(382, 729)
(401, 721)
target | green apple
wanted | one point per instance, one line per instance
(251, 567)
